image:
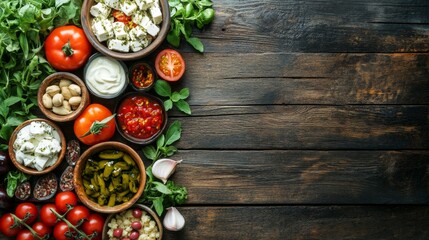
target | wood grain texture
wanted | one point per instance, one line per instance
(317, 26)
(306, 127)
(304, 222)
(304, 177)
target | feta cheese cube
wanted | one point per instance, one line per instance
(136, 46)
(119, 30)
(40, 162)
(100, 10)
(145, 20)
(99, 31)
(152, 29)
(156, 14)
(128, 7)
(140, 4)
(118, 45)
(43, 148)
(108, 27)
(137, 33)
(112, 3)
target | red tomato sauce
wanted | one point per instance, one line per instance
(140, 117)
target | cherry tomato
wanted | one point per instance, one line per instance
(6, 222)
(67, 48)
(63, 199)
(41, 229)
(169, 65)
(60, 231)
(24, 234)
(77, 213)
(95, 223)
(47, 216)
(84, 124)
(26, 210)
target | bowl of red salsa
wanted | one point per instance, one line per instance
(140, 117)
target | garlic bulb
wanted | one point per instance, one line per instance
(164, 168)
(173, 220)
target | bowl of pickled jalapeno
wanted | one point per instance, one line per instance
(109, 177)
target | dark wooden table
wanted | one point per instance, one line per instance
(310, 121)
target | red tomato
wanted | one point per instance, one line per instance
(77, 213)
(67, 48)
(120, 16)
(24, 235)
(169, 65)
(89, 122)
(6, 222)
(95, 223)
(60, 231)
(28, 210)
(41, 229)
(47, 216)
(63, 199)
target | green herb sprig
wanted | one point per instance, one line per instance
(164, 147)
(184, 15)
(13, 179)
(162, 88)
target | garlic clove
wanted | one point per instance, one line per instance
(164, 168)
(173, 220)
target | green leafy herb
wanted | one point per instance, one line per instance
(161, 196)
(164, 147)
(184, 15)
(24, 24)
(163, 89)
(13, 179)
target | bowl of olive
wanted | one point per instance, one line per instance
(109, 177)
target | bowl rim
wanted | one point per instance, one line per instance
(32, 171)
(84, 95)
(130, 72)
(136, 140)
(78, 169)
(86, 18)
(137, 205)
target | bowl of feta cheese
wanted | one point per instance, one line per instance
(37, 146)
(126, 30)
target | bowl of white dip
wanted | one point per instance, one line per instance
(37, 146)
(105, 77)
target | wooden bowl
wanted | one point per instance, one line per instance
(53, 79)
(86, 19)
(145, 208)
(80, 166)
(32, 171)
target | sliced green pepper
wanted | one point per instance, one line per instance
(129, 160)
(111, 154)
(112, 200)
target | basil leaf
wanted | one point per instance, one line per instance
(170, 151)
(183, 106)
(161, 140)
(162, 188)
(158, 204)
(14, 121)
(184, 93)
(150, 152)
(175, 97)
(173, 39)
(162, 88)
(173, 133)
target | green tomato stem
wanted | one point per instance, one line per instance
(21, 222)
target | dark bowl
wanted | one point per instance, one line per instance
(149, 69)
(135, 139)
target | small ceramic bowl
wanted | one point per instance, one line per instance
(33, 171)
(140, 135)
(54, 79)
(80, 167)
(86, 19)
(105, 77)
(143, 208)
(142, 76)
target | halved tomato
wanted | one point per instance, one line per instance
(169, 65)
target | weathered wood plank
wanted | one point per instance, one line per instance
(306, 127)
(304, 177)
(317, 26)
(272, 78)
(304, 222)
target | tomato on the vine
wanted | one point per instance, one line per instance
(6, 223)
(169, 65)
(41, 229)
(78, 213)
(95, 223)
(26, 209)
(63, 199)
(24, 234)
(67, 48)
(47, 216)
(61, 230)
(96, 124)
